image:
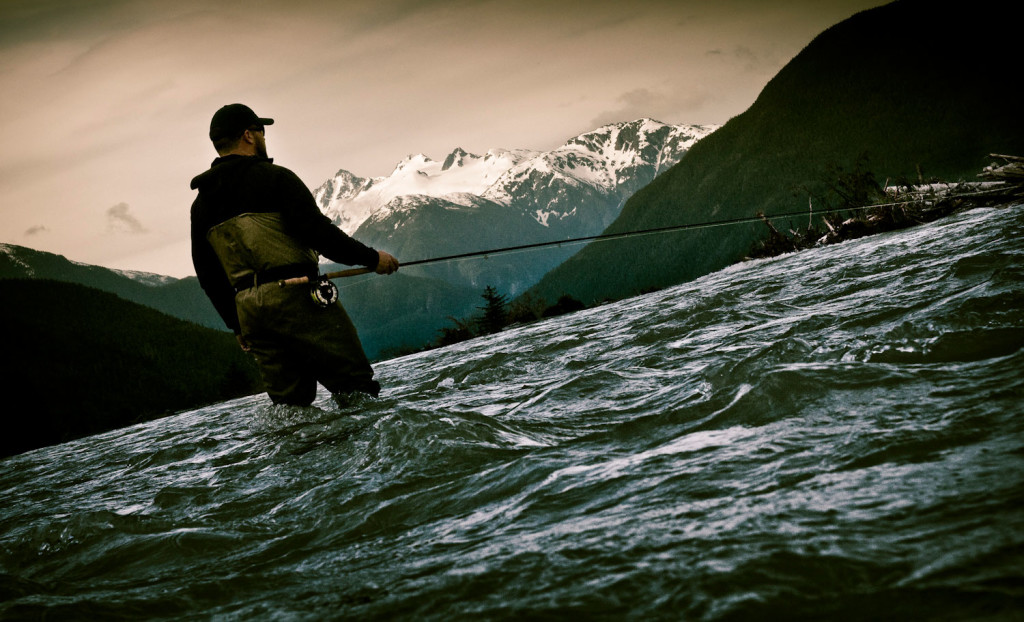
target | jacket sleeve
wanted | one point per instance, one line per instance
(312, 228)
(211, 275)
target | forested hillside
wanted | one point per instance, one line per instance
(78, 361)
(181, 298)
(912, 90)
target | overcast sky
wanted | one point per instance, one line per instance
(106, 104)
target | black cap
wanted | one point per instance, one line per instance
(232, 120)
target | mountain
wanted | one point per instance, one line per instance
(349, 200)
(467, 203)
(613, 159)
(910, 89)
(180, 298)
(586, 180)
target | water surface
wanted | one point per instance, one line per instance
(834, 434)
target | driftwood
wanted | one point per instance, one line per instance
(1012, 170)
(1009, 176)
(1003, 186)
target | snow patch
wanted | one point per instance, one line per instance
(12, 254)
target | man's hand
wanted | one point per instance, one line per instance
(242, 343)
(386, 263)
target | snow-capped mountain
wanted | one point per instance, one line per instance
(467, 203)
(349, 200)
(612, 160)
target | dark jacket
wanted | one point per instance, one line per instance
(237, 185)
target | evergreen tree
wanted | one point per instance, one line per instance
(495, 313)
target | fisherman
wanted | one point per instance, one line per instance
(254, 224)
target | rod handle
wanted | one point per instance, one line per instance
(300, 280)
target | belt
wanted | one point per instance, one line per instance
(276, 273)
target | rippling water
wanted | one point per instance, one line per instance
(831, 434)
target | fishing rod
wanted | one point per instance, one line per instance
(325, 292)
(588, 238)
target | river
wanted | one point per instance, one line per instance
(832, 434)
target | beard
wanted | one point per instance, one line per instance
(261, 145)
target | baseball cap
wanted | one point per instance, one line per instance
(231, 120)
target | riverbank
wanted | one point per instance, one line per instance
(903, 206)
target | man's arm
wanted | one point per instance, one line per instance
(317, 231)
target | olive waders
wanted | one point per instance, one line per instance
(296, 341)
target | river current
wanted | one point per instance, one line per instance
(833, 434)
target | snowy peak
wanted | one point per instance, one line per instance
(644, 141)
(344, 185)
(345, 189)
(457, 158)
(613, 161)
(610, 160)
(413, 161)
(349, 200)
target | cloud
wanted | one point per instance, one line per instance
(661, 106)
(749, 59)
(119, 219)
(746, 58)
(36, 230)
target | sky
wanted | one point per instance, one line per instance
(106, 104)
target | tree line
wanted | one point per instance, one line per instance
(495, 314)
(79, 361)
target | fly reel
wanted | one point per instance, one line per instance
(324, 292)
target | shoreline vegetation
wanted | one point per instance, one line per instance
(854, 204)
(867, 208)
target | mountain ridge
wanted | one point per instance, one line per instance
(350, 200)
(897, 92)
(471, 203)
(179, 298)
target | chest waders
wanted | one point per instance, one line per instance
(300, 337)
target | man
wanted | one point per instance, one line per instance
(254, 224)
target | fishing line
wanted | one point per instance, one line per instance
(626, 234)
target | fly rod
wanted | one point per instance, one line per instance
(589, 238)
(597, 238)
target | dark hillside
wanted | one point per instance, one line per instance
(912, 88)
(180, 298)
(78, 361)
(402, 311)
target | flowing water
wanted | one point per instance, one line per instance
(835, 434)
